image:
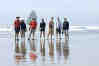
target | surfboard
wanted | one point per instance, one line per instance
(31, 15)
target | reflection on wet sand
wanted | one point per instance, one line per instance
(42, 50)
(23, 49)
(48, 51)
(58, 50)
(51, 51)
(32, 54)
(62, 50)
(20, 51)
(42, 47)
(65, 51)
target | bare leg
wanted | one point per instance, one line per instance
(44, 35)
(15, 36)
(21, 33)
(60, 36)
(41, 34)
(51, 35)
(33, 35)
(24, 34)
(68, 34)
(30, 35)
(48, 34)
(65, 34)
(56, 35)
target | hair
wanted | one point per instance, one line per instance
(22, 20)
(33, 19)
(65, 18)
(58, 18)
(17, 17)
(42, 19)
(52, 18)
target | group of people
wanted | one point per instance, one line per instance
(61, 28)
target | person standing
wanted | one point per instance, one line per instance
(42, 28)
(51, 27)
(66, 27)
(58, 28)
(23, 28)
(33, 25)
(17, 27)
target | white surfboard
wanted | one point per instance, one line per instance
(31, 15)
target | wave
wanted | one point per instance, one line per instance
(72, 28)
(83, 28)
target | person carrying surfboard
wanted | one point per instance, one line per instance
(51, 27)
(17, 27)
(33, 25)
(42, 28)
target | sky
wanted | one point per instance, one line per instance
(79, 12)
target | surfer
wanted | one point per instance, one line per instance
(58, 27)
(42, 28)
(23, 28)
(66, 27)
(33, 25)
(17, 27)
(51, 27)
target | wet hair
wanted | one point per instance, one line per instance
(42, 19)
(22, 20)
(17, 17)
(33, 19)
(65, 18)
(52, 18)
(58, 18)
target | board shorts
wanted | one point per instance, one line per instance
(51, 31)
(24, 30)
(65, 28)
(65, 31)
(42, 30)
(17, 30)
(58, 31)
(32, 30)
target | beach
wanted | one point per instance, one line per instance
(81, 49)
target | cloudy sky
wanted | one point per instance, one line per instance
(79, 12)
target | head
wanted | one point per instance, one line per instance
(18, 18)
(58, 19)
(52, 18)
(65, 19)
(22, 20)
(42, 19)
(33, 19)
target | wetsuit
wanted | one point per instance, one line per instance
(42, 26)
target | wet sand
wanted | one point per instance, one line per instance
(81, 49)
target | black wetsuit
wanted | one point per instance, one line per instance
(66, 25)
(23, 26)
(42, 26)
